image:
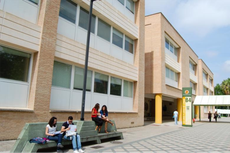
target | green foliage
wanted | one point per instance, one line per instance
(223, 88)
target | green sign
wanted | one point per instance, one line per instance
(187, 106)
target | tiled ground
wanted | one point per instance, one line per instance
(207, 137)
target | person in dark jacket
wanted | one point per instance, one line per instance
(215, 116)
(209, 116)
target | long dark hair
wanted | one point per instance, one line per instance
(51, 122)
(106, 111)
(97, 106)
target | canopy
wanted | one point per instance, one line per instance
(212, 100)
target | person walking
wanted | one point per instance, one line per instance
(215, 116)
(209, 116)
(175, 116)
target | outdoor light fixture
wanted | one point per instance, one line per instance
(86, 61)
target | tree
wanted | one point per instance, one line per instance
(225, 86)
(218, 90)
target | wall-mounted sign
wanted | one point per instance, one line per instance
(187, 106)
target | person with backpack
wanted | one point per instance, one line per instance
(52, 133)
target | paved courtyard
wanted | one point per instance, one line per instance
(165, 138)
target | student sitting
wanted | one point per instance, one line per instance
(65, 128)
(51, 132)
(104, 117)
(95, 118)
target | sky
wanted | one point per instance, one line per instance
(205, 26)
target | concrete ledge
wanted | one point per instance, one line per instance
(6, 109)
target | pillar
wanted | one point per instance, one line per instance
(197, 112)
(158, 109)
(179, 108)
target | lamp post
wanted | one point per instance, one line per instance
(86, 61)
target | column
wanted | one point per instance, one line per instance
(179, 108)
(197, 112)
(158, 109)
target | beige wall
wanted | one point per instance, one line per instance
(157, 26)
(49, 45)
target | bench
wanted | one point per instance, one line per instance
(86, 130)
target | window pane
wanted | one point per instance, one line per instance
(122, 1)
(130, 5)
(115, 86)
(167, 72)
(128, 44)
(84, 20)
(68, 10)
(171, 47)
(101, 83)
(79, 79)
(103, 30)
(117, 38)
(128, 89)
(61, 75)
(14, 64)
(34, 1)
(167, 43)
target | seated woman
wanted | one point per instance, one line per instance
(104, 117)
(52, 134)
(95, 118)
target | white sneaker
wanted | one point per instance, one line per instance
(75, 151)
(80, 150)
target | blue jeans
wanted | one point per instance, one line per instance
(57, 138)
(175, 119)
(74, 138)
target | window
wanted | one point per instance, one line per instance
(210, 82)
(101, 83)
(204, 76)
(171, 74)
(192, 67)
(61, 75)
(68, 10)
(117, 38)
(115, 86)
(128, 89)
(84, 20)
(34, 1)
(171, 47)
(14, 64)
(205, 90)
(128, 44)
(130, 5)
(122, 1)
(103, 30)
(79, 79)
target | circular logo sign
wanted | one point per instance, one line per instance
(186, 92)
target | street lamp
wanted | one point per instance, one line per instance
(86, 61)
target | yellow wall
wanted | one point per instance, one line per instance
(158, 109)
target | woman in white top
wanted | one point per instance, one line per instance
(50, 132)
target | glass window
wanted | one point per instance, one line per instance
(128, 44)
(79, 79)
(103, 30)
(167, 44)
(115, 86)
(167, 72)
(84, 20)
(34, 1)
(61, 75)
(117, 38)
(14, 64)
(128, 89)
(122, 1)
(130, 5)
(68, 10)
(101, 83)
(204, 77)
(171, 47)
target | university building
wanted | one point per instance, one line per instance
(170, 65)
(42, 57)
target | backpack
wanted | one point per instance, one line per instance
(38, 140)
